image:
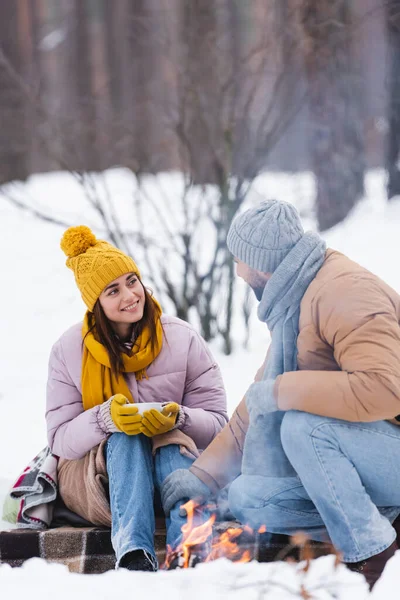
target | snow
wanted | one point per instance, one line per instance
(220, 579)
(39, 301)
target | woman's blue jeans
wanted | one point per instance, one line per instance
(347, 489)
(133, 475)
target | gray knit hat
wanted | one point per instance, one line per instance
(261, 237)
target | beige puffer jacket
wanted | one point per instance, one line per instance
(348, 361)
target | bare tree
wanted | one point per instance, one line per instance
(393, 136)
(226, 119)
(231, 98)
(13, 132)
(80, 122)
(335, 104)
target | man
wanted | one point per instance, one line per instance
(314, 445)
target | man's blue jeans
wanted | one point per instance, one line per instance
(347, 489)
(133, 474)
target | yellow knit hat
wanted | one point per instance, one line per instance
(95, 263)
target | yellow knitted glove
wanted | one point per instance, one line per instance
(125, 415)
(155, 422)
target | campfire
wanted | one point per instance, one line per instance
(204, 542)
(201, 544)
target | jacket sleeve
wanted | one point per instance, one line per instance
(71, 431)
(359, 322)
(204, 400)
(221, 462)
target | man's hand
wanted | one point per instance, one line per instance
(183, 485)
(155, 422)
(124, 415)
(260, 398)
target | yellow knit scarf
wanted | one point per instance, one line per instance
(98, 382)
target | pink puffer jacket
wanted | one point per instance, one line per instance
(184, 372)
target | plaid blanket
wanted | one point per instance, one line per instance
(81, 549)
(89, 549)
(36, 489)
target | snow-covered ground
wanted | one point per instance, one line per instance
(213, 581)
(39, 300)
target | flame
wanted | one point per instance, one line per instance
(225, 545)
(199, 540)
(262, 529)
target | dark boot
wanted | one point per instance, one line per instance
(372, 568)
(137, 560)
(396, 525)
(275, 546)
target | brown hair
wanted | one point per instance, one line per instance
(106, 335)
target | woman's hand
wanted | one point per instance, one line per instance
(124, 415)
(155, 422)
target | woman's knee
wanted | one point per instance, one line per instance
(168, 452)
(127, 444)
(171, 457)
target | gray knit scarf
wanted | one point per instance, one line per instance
(279, 308)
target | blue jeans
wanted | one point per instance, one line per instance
(133, 475)
(347, 486)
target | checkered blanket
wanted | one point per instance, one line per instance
(84, 549)
(81, 549)
(89, 549)
(36, 489)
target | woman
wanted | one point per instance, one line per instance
(126, 353)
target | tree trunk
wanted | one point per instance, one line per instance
(34, 75)
(227, 332)
(393, 136)
(14, 144)
(200, 90)
(81, 122)
(120, 59)
(114, 21)
(141, 42)
(337, 145)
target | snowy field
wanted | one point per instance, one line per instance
(39, 301)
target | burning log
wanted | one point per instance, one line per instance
(205, 541)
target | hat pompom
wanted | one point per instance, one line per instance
(76, 240)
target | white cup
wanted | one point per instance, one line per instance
(142, 406)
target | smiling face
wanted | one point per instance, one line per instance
(257, 280)
(123, 302)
